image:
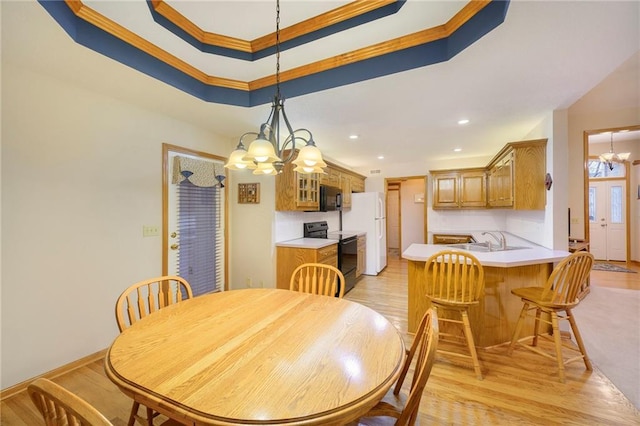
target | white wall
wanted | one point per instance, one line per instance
(613, 103)
(413, 214)
(81, 175)
(579, 123)
(251, 249)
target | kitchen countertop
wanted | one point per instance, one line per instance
(311, 243)
(532, 255)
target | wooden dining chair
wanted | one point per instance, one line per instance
(148, 296)
(395, 407)
(140, 300)
(454, 283)
(60, 407)
(317, 278)
(556, 299)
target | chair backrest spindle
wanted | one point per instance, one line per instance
(317, 278)
(146, 297)
(59, 407)
(455, 276)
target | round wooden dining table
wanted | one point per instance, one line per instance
(258, 356)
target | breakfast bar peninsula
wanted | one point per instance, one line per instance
(494, 319)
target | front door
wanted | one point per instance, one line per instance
(607, 219)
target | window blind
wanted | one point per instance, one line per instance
(200, 237)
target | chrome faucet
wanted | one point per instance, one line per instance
(502, 240)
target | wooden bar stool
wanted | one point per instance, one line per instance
(556, 298)
(455, 282)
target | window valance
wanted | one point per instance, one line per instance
(198, 172)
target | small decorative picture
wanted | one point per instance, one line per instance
(248, 193)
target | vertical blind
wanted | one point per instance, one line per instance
(200, 235)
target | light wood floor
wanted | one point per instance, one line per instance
(520, 390)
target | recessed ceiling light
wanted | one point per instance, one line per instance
(457, 149)
(463, 121)
(380, 157)
(353, 136)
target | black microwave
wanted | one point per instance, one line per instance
(330, 198)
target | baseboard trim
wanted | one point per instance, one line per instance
(20, 387)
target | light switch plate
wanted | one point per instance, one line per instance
(150, 230)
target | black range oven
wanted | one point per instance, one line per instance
(347, 249)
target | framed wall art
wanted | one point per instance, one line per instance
(248, 193)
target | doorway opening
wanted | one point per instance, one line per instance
(609, 221)
(406, 213)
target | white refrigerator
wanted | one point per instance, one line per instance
(368, 213)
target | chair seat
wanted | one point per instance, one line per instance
(452, 303)
(534, 295)
(557, 298)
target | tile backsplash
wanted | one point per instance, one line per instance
(289, 225)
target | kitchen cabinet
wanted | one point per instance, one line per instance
(300, 192)
(345, 186)
(331, 178)
(357, 184)
(362, 255)
(501, 182)
(513, 179)
(289, 258)
(454, 189)
(452, 239)
(297, 191)
(516, 176)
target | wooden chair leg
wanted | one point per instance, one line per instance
(134, 412)
(536, 328)
(576, 333)
(558, 343)
(472, 347)
(518, 330)
(149, 417)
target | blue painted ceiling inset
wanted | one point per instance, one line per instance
(422, 55)
(294, 42)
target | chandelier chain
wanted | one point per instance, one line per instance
(278, 48)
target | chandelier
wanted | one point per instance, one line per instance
(267, 152)
(610, 157)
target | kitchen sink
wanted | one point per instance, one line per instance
(484, 247)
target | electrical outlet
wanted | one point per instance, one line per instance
(575, 221)
(249, 282)
(150, 230)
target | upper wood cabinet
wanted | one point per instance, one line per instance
(331, 178)
(357, 183)
(345, 186)
(516, 176)
(297, 191)
(513, 179)
(500, 178)
(453, 189)
(301, 192)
